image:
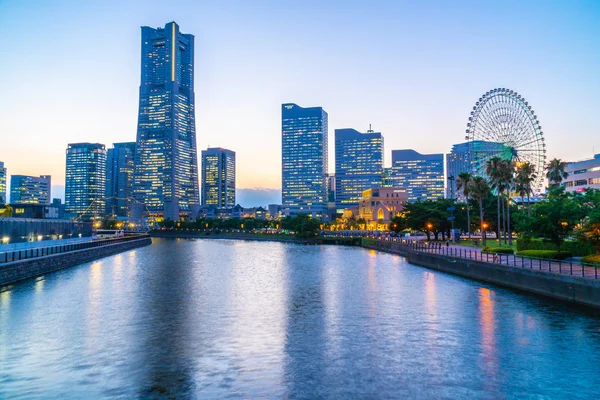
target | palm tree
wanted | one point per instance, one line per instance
(494, 169)
(523, 180)
(463, 182)
(508, 169)
(556, 171)
(479, 189)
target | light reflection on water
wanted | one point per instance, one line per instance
(212, 319)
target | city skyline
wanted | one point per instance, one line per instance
(422, 89)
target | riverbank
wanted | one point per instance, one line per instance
(32, 267)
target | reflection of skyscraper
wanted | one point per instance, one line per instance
(218, 177)
(421, 175)
(25, 189)
(2, 183)
(85, 184)
(358, 165)
(304, 159)
(166, 170)
(119, 178)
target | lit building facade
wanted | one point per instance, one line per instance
(460, 159)
(420, 175)
(119, 179)
(379, 205)
(304, 160)
(25, 189)
(218, 178)
(358, 165)
(166, 166)
(583, 175)
(2, 183)
(85, 183)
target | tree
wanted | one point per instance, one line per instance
(508, 169)
(494, 168)
(524, 178)
(463, 183)
(480, 190)
(556, 171)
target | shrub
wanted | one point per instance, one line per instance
(546, 254)
(592, 259)
(575, 247)
(497, 250)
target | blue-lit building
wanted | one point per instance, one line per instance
(421, 175)
(166, 166)
(85, 183)
(461, 159)
(25, 189)
(119, 179)
(304, 160)
(2, 183)
(218, 178)
(358, 165)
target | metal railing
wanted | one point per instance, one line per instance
(561, 267)
(26, 254)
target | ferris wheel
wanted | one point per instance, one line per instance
(503, 124)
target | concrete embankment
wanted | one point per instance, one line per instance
(24, 269)
(568, 288)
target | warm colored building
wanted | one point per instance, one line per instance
(166, 166)
(583, 175)
(218, 178)
(25, 189)
(379, 205)
(358, 165)
(304, 160)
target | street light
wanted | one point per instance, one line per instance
(429, 226)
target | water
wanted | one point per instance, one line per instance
(215, 319)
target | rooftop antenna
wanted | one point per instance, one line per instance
(370, 130)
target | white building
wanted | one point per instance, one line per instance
(583, 174)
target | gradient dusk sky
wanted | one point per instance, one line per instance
(70, 72)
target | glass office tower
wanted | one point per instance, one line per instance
(421, 175)
(304, 160)
(358, 165)
(119, 179)
(218, 178)
(2, 183)
(25, 189)
(166, 169)
(85, 184)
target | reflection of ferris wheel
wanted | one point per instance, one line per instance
(502, 124)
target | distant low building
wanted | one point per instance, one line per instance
(34, 211)
(2, 183)
(583, 175)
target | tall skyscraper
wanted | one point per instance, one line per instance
(304, 159)
(421, 175)
(26, 189)
(218, 178)
(119, 179)
(85, 186)
(166, 169)
(2, 183)
(358, 165)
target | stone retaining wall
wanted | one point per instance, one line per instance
(25, 269)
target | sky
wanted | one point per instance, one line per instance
(70, 72)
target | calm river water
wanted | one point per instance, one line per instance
(215, 319)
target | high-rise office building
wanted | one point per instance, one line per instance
(421, 175)
(304, 160)
(2, 183)
(85, 185)
(26, 189)
(166, 169)
(218, 178)
(460, 159)
(119, 179)
(358, 165)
